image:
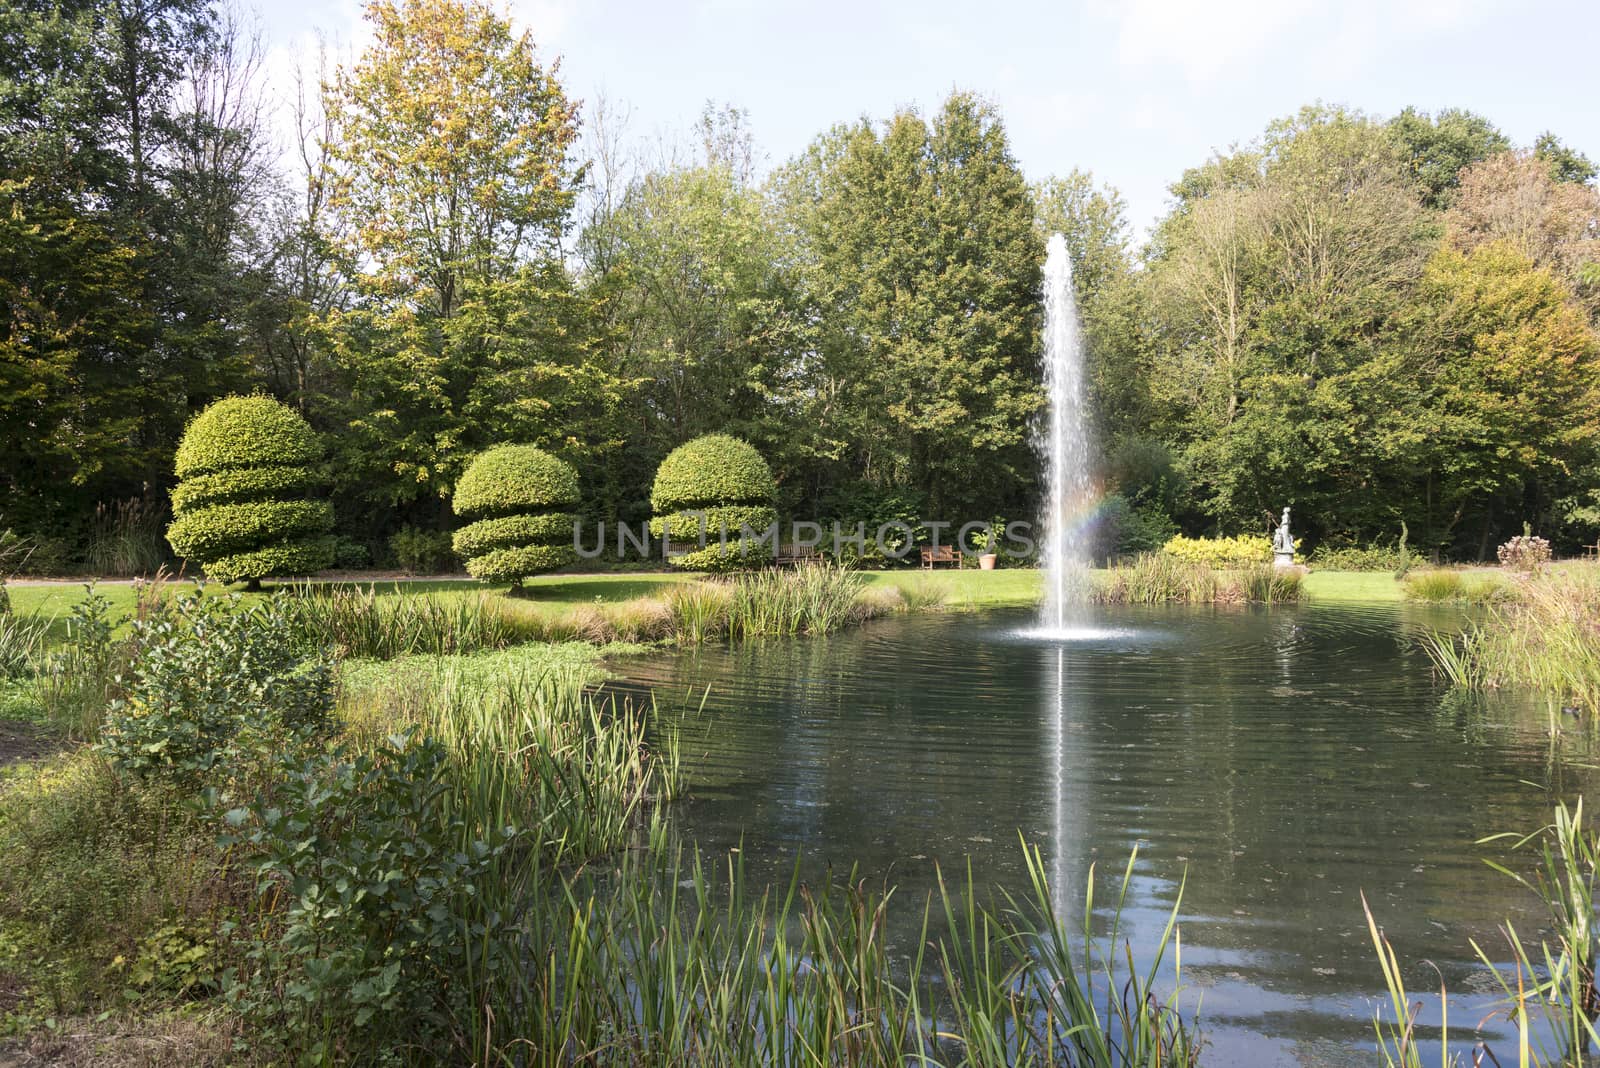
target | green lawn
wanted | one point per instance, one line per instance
(1352, 586)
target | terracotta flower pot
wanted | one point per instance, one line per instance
(987, 561)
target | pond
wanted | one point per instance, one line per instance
(1285, 760)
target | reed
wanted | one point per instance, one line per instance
(812, 599)
(358, 623)
(23, 640)
(1548, 640)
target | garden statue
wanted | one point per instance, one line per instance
(1283, 543)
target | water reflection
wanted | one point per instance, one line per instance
(1286, 760)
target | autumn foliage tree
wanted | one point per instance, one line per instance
(451, 178)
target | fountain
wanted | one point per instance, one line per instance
(1065, 443)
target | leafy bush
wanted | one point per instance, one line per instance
(244, 463)
(1525, 552)
(1241, 550)
(350, 554)
(870, 508)
(422, 552)
(213, 683)
(1373, 557)
(521, 500)
(382, 925)
(730, 486)
(1123, 527)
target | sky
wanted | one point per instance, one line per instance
(1134, 91)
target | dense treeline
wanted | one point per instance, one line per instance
(1387, 323)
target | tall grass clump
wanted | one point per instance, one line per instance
(360, 624)
(812, 599)
(23, 641)
(1442, 586)
(1159, 578)
(1269, 585)
(530, 745)
(127, 538)
(1548, 639)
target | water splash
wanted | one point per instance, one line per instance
(1069, 502)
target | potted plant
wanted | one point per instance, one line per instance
(989, 545)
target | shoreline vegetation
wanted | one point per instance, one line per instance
(258, 857)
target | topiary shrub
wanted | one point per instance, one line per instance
(521, 500)
(244, 466)
(723, 483)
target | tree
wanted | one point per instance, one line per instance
(710, 491)
(921, 264)
(521, 501)
(1511, 374)
(1566, 164)
(240, 511)
(1514, 197)
(1276, 283)
(450, 183)
(1437, 148)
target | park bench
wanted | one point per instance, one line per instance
(944, 554)
(796, 556)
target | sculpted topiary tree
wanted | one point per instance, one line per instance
(723, 483)
(521, 501)
(240, 510)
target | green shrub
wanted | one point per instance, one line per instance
(213, 683)
(422, 552)
(521, 502)
(244, 465)
(382, 935)
(1241, 550)
(1373, 557)
(724, 484)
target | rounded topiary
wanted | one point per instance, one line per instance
(723, 483)
(239, 509)
(521, 500)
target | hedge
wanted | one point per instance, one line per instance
(243, 484)
(684, 526)
(1241, 550)
(245, 432)
(239, 510)
(521, 498)
(725, 479)
(712, 470)
(515, 478)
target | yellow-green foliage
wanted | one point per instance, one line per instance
(521, 500)
(245, 464)
(717, 485)
(1241, 550)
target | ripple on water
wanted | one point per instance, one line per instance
(1284, 761)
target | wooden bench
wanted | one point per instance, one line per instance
(1591, 552)
(944, 554)
(796, 556)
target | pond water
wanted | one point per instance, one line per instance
(1284, 759)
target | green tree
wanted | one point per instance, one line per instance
(1566, 164)
(450, 182)
(921, 261)
(1437, 148)
(1510, 374)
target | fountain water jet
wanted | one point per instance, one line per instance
(1065, 443)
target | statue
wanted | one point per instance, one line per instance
(1283, 543)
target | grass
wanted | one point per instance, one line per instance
(1546, 639)
(1439, 585)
